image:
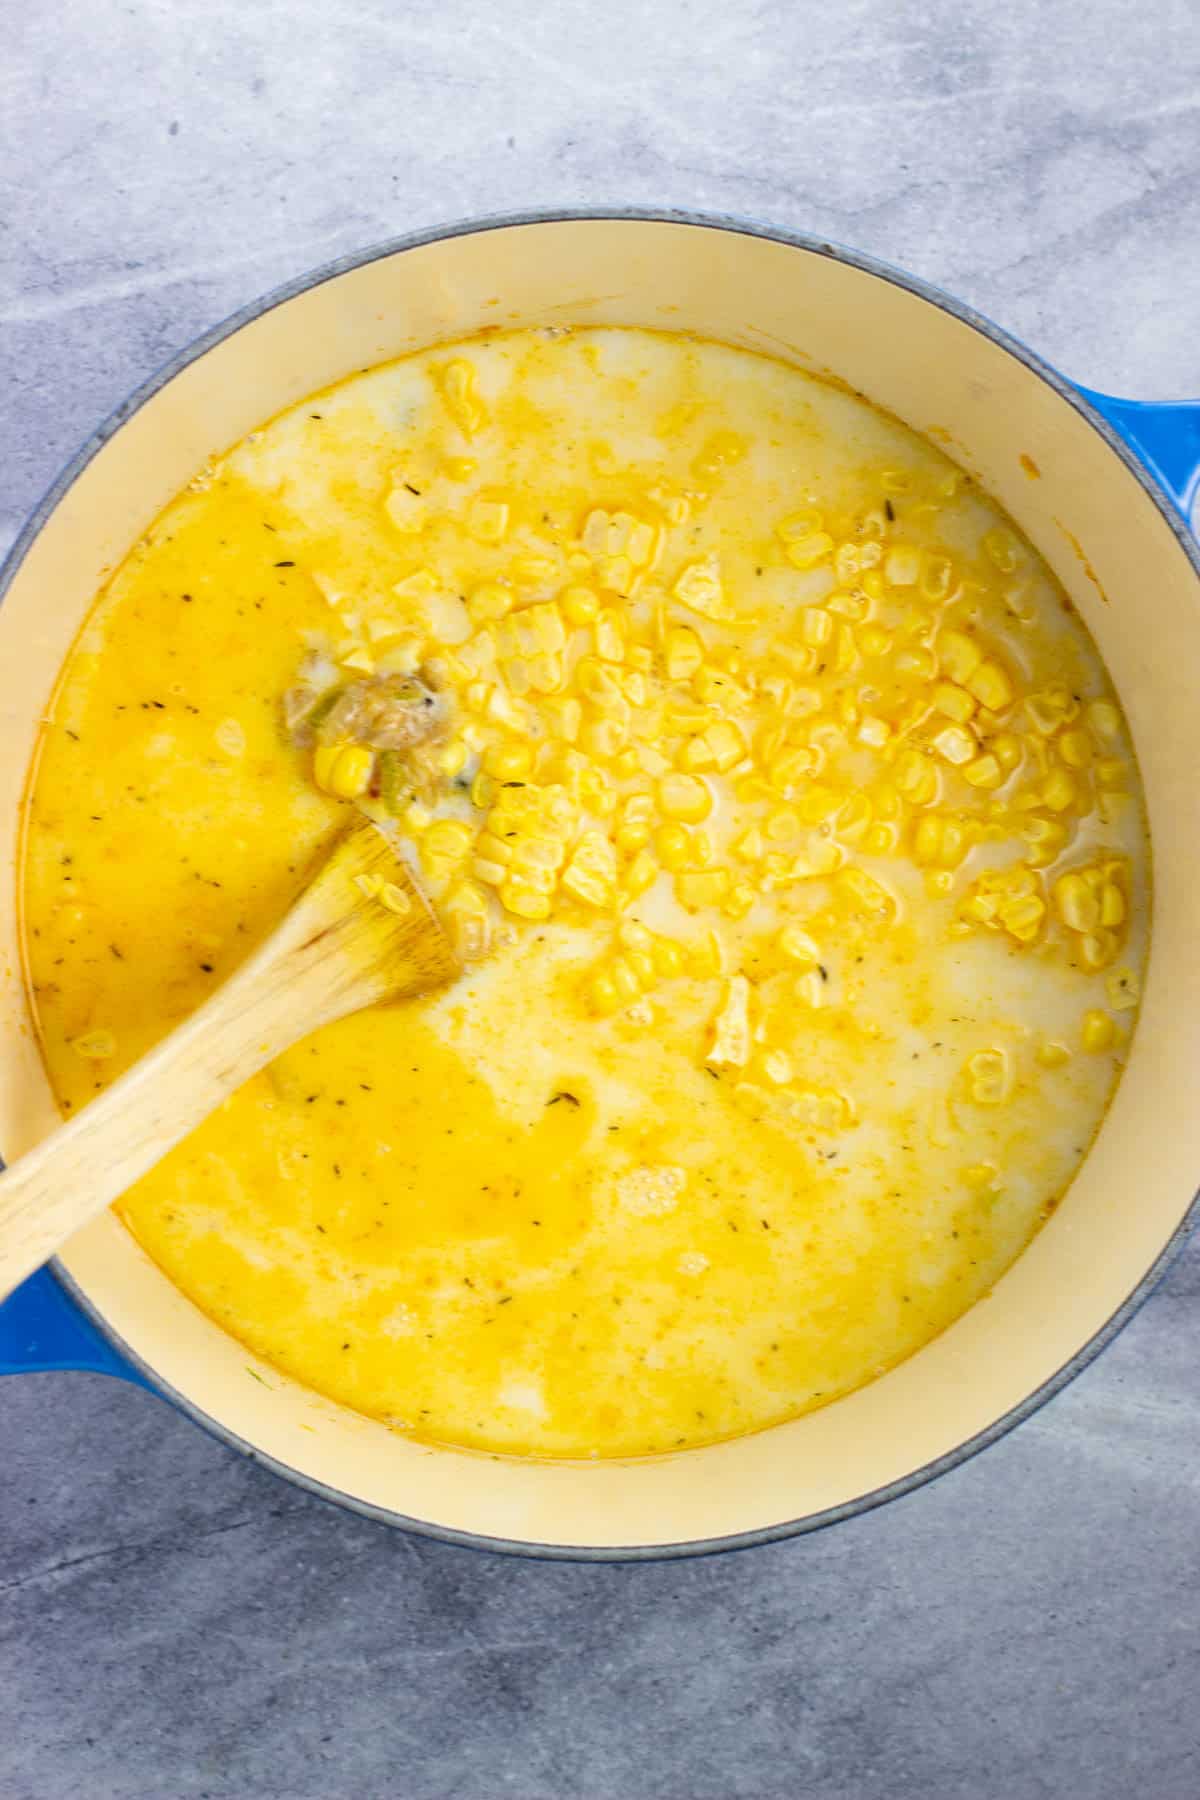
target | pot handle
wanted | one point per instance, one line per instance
(1165, 435)
(42, 1328)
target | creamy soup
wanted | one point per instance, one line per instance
(784, 817)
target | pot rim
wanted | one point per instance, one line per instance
(813, 244)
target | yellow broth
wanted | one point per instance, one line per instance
(786, 819)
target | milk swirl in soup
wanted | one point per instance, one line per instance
(785, 817)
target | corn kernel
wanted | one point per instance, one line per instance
(683, 653)
(783, 824)
(695, 755)
(524, 901)
(534, 858)
(1052, 708)
(845, 653)
(487, 520)
(493, 873)
(641, 874)
(902, 566)
(917, 662)
(496, 849)
(1006, 749)
(609, 632)
(394, 899)
(937, 577)
(1045, 838)
(509, 762)
(991, 686)
(873, 640)
(641, 963)
(447, 837)
(360, 660)
(796, 945)
(1097, 1032)
(940, 841)
(343, 770)
(1124, 990)
(1022, 917)
(1112, 906)
(799, 525)
(460, 396)
(699, 588)
(954, 702)
(1052, 1054)
(740, 900)
(777, 1067)
(1000, 548)
(580, 605)
(1096, 950)
(809, 988)
(725, 744)
(1105, 720)
(955, 744)
(917, 778)
(989, 1077)
(604, 737)
(731, 1027)
(1075, 748)
(864, 892)
(1058, 791)
(636, 823)
(716, 687)
(854, 817)
(816, 627)
(624, 979)
(565, 718)
(546, 672)
(667, 957)
(452, 758)
(602, 993)
(673, 846)
(684, 797)
(788, 768)
(807, 552)
(406, 510)
(984, 772)
(749, 847)
(960, 655)
(697, 888)
(1077, 904)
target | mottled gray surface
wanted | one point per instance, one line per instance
(174, 1624)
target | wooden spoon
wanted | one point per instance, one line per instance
(343, 946)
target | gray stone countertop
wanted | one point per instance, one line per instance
(177, 1625)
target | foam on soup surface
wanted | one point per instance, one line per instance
(785, 818)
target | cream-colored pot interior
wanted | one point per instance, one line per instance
(1123, 566)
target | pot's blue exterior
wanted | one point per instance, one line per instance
(41, 1325)
(42, 1328)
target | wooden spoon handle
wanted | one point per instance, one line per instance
(329, 957)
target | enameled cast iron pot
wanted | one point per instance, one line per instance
(1100, 486)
